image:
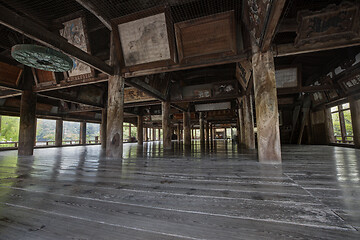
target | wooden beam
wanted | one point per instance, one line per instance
(55, 95)
(274, 14)
(289, 48)
(72, 83)
(96, 12)
(37, 32)
(143, 86)
(306, 89)
(178, 67)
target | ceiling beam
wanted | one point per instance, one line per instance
(289, 49)
(38, 33)
(96, 12)
(273, 17)
(306, 89)
(57, 96)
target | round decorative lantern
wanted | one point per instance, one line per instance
(41, 58)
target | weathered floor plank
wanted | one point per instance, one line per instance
(223, 193)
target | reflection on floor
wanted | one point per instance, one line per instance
(221, 193)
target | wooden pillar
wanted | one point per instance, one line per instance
(129, 132)
(355, 119)
(140, 130)
(83, 133)
(329, 129)
(202, 132)
(153, 134)
(178, 134)
(146, 135)
(27, 132)
(248, 122)
(187, 128)
(212, 135)
(207, 131)
(225, 134)
(240, 126)
(115, 107)
(103, 128)
(267, 120)
(59, 132)
(166, 125)
(159, 134)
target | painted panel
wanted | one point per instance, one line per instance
(75, 34)
(145, 40)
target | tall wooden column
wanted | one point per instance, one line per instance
(83, 133)
(159, 134)
(103, 128)
(248, 122)
(212, 135)
(27, 132)
(166, 125)
(268, 133)
(355, 119)
(153, 134)
(187, 128)
(178, 133)
(207, 133)
(329, 129)
(240, 126)
(115, 107)
(140, 130)
(146, 135)
(59, 132)
(202, 132)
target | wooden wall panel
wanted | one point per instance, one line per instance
(9, 75)
(44, 76)
(206, 38)
(134, 95)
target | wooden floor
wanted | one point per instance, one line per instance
(76, 193)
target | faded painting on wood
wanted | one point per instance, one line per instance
(351, 83)
(134, 95)
(75, 34)
(287, 78)
(333, 22)
(243, 73)
(145, 40)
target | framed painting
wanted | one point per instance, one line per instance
(145, 39)
(75, 32)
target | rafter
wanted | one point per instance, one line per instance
(96, 12)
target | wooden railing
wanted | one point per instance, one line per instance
(338, 139)
(13, 144)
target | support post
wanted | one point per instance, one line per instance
(115, 114)
(268, 133)
(27, 132)
(140, 130)
(248, 122)
(207, 134)
(187, 128)
(355, 119)
(82, 133)
(202, 132)
(329, 129)
(166, 125)
(59, 132)
(178, 134)
(153, 134)
(159, 134)
(103, 128)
